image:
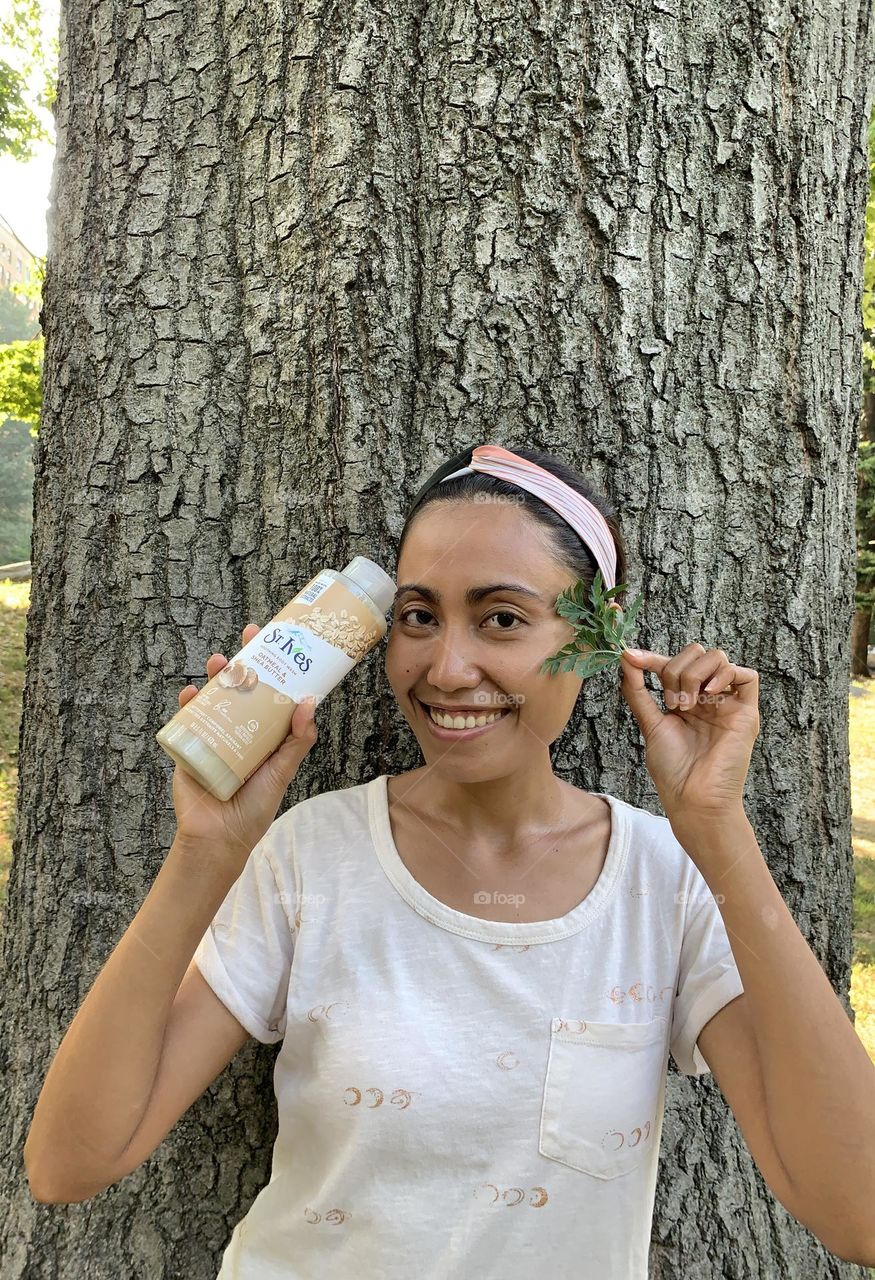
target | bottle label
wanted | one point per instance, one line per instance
(245, 712)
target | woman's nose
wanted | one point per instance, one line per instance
(450, 660)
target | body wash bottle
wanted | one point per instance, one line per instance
(242, 715)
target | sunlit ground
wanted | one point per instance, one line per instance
(862, 743)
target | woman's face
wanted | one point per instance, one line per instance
(483, 653)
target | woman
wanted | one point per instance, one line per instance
(477, 969)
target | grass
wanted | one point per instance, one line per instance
(14, 603)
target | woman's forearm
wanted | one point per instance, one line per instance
(818, 1080)
(99, 1082)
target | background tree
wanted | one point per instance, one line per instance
(27, 75)
(28, 80)
(14, 323)
(20, 380)
(294, 260)
(16, 482)
(21, 358)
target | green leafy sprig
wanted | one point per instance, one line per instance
(600, 632)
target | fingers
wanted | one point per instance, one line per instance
(710, 666)
(724, 677)
(696, 675)
(302, 728)
(282, 766)
(304, 718)
(216, 661)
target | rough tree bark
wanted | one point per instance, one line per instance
(296, 255)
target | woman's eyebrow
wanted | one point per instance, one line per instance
(473, 595)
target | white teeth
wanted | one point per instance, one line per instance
(468, 721)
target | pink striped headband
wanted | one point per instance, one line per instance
(578, 511)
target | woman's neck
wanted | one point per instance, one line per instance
(498, 816)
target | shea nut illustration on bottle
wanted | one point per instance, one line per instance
(241, 716)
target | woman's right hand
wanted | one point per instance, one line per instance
(234, 827)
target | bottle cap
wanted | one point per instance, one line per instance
(371, 578)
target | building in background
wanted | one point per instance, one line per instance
(16, 261)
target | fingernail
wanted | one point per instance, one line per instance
(635, 653)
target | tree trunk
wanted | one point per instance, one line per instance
(296, 259)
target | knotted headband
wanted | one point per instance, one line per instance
(586, 519)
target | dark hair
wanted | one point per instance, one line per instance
(570, 548)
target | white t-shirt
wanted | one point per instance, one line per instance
(438, 1070)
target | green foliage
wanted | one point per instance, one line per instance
(864, 596)
(21, 362)
(20, 378)
(600, 632)
(16, 490)
(15, 325)
(33, 52)
(31, 289)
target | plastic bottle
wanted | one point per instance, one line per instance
(242, 715)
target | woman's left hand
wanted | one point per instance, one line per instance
(698, 754)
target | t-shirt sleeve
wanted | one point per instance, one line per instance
(708, 976)
(246, 953)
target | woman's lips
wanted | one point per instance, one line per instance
(460, 735)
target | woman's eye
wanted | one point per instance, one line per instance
(504, 613)
(499, 613)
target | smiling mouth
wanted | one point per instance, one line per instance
(463, 720)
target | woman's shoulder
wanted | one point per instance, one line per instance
(321, 830)
(338, 799)
(338, 807)
(650, 834)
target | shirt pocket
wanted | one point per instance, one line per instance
(602, 1093)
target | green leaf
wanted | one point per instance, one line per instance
(600, 633)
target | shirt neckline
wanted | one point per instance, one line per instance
(508, 931)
